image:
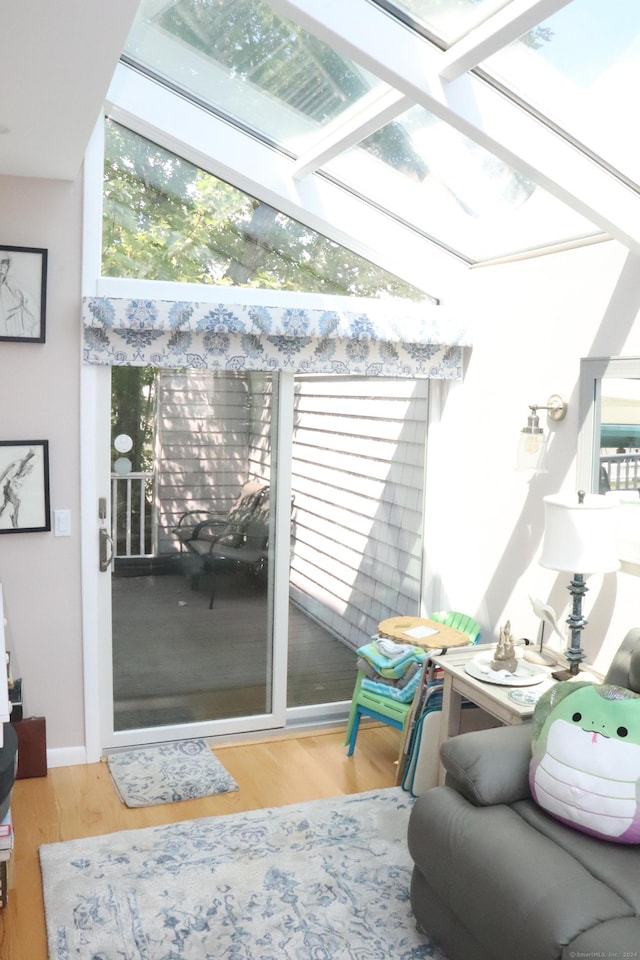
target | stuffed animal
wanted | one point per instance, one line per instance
(585, 768)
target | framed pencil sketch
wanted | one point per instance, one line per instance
(24, 486)
(23, 293)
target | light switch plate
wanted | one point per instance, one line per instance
(62, 523)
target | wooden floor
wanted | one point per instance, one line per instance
(80, 801)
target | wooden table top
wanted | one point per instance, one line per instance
(396, 628)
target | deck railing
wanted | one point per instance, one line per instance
(133, 526)
(134, 529)
(622, 471)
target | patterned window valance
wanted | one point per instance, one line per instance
(413, 342)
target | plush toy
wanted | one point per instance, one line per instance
(585, 768)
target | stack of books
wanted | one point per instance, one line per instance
(6, 836)
(6, 846)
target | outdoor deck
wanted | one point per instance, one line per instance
(176, 661)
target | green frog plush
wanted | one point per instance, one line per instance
(585, 768)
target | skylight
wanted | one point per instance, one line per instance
(239, 58)
(581, 73)
(368, 103)
(447, 19)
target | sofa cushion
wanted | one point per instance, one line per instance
(489, 766)
(521, 894)
(613, 864)
(241, 512)
(585, 767)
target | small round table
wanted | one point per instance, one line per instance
(435, 636)
(444, 636)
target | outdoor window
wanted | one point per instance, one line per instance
(165, 219)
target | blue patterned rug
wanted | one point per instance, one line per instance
(168, 772)
(326, 880)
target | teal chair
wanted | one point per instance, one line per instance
(376, 706)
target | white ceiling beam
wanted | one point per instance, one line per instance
(504, 27)
(401, 58)
(355, 124)
(220, 148)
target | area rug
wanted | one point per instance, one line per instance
(168, 772)
(324, 880)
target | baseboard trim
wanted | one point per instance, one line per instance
(66, 756)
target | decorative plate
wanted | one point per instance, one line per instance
(525, 676)
(525, 696)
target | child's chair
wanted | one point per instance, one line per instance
(377, 706)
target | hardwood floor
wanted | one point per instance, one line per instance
(81, 801)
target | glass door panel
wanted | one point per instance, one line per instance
(191, 584)
(357, 480)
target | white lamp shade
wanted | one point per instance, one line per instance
(580, 537)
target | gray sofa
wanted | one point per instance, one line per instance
(496, 878)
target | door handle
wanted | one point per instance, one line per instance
(106, 550)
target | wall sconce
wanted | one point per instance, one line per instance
(533, 441)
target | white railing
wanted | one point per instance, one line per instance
(622, 470)
(133, 525)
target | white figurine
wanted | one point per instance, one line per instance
(546, 614)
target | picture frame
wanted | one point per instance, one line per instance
(23, 294)
(24, 486)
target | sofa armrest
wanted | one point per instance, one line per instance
(489, 766)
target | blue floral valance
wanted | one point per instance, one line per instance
(121, 331)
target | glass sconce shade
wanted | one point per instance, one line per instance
(531, 451)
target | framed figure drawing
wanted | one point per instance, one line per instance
(24, 486)
(23, 293)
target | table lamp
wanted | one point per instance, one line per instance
(579, 538)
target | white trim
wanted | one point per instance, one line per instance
(411, 64)
(69, 757)
(505, 26)
(115, 287)
(92, 241)
(372, 113)
(284, 425)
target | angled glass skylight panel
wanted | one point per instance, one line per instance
(446, 19)
(581, 68)
(451, 189)
(241, 59)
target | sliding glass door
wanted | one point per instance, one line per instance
(192, 576)
(227, 614)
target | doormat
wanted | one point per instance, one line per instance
(168, 772)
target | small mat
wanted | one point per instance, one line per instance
(168, 772)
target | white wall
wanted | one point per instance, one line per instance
(39, 399)
(531, 321)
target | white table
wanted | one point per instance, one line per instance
(492, 697)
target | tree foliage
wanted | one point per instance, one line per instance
(165, 219)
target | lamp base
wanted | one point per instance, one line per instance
(565, 674)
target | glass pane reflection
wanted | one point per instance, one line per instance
(451, 188)
(239, 57)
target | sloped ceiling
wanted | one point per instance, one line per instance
(56, 62)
